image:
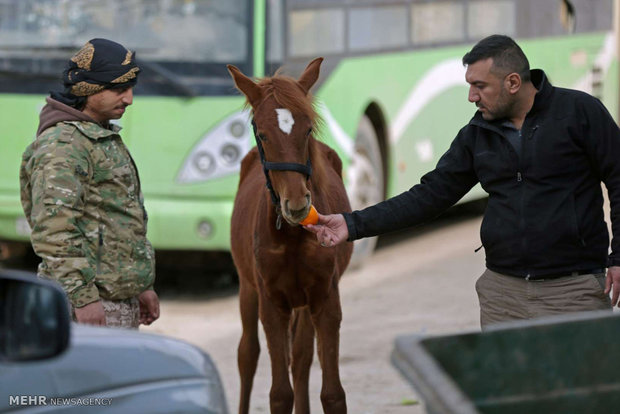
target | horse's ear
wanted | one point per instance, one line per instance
(311, 74)
(246, 85)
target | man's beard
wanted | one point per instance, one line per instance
(503, 107)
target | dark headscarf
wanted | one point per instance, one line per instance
(100, 64)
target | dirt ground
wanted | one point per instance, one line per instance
(422, 284)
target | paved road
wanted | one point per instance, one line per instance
(420, 284)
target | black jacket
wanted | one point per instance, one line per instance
(545, 209)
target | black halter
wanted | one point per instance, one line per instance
(305, 169)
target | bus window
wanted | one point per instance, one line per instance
(437, 22)
(593, 15)
(212, 30)
(316, 32)
(560, 17)
(567, 16)
(274, 52)
(486, 17)
(42, 33)
(376, 28)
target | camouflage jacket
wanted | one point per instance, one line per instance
(81, 195)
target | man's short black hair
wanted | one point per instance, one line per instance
(506, 53)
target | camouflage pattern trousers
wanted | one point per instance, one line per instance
(123, 313)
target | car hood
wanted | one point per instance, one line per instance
(101, 359)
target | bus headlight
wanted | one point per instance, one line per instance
(204, 162)
(219, 152)
(237, 129)
(204, 229)
(230, 154)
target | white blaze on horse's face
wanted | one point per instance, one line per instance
(285, 120)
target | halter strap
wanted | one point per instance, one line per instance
(305, 169)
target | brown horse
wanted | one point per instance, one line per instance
(285, 278)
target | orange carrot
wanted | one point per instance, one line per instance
(311, 218)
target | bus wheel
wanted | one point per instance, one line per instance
(365, 181)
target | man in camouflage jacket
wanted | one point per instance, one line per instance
(81, 193)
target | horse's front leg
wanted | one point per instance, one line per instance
(303, 352)
(249, 347)
(326, 322)
(275, 324)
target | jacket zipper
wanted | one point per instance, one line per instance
(524, 243)
(522, 197)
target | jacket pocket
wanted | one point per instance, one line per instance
(491, 234)
(575, 230)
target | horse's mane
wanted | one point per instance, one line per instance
(289, 94)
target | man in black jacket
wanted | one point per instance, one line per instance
(541, 153)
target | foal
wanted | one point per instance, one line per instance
(285, 278)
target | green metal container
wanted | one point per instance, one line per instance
(568, 364)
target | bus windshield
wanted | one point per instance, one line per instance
(183, 42)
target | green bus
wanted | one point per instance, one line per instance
(392, 92)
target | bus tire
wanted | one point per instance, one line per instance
(365, 181)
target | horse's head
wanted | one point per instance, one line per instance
(284, 118)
